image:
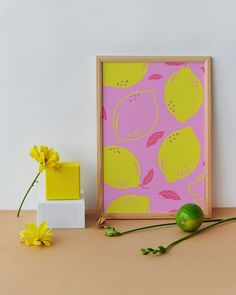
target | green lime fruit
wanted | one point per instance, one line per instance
(189, 217)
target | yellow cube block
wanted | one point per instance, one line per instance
(63, 183)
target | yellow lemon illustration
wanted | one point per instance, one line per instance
(179, 154)
(129, 204)
(196, 189)
(121, 167)
(135, 115)
(123, 74)
(183, 94)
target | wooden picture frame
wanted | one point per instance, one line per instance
(167, 72)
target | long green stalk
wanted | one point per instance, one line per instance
(113, 232)
(26, 194)
(163, 250)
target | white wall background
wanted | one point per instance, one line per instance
(47, 78)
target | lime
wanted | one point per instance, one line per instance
(189, 217)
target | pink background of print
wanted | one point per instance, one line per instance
(147, 156)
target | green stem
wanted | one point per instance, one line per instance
(112, 232)
(162, 250)
(162, 224)
(198, 232)
(147, 227)
(32, 184)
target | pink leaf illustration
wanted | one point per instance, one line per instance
(154, 138)
(104, 113)
(174, 210)
(203, 69)
(168, 194)
(155, 77)
(148, 178)
(175, 63)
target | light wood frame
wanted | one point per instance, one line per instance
(208, 191)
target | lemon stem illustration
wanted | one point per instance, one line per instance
(162, 250)
(113, 232)
(26, 194)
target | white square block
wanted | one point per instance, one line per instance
(62, 214)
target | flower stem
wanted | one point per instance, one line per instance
(198, 232)
(163, 250)
(22, 202)
(162, 224)
(152, 226)
(147, 227)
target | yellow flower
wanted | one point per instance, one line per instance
(36, 235)
(45, 156)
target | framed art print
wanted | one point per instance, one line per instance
(154, 135)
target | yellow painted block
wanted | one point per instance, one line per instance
(63, 183)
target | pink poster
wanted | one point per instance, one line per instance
(154, 136)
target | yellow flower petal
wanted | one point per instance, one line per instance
(41, 168)
(43, 149)
(47, 243)
(34, 153)
(37, 242)
(43, 227)
(36, 235)
(47, 157)
(31, 228)
(50, 153)
(28, 242)
(42, 158)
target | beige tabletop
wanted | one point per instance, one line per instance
(84, 261)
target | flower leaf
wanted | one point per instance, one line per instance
(175, 63)
(169, 194)
(144, 251)
(148, 178)
(155, 77)
(154, 138)
(104, 113)
(161, 249)
(173, 210)
(112, 233)
(107, 227)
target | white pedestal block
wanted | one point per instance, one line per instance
(62, 214)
